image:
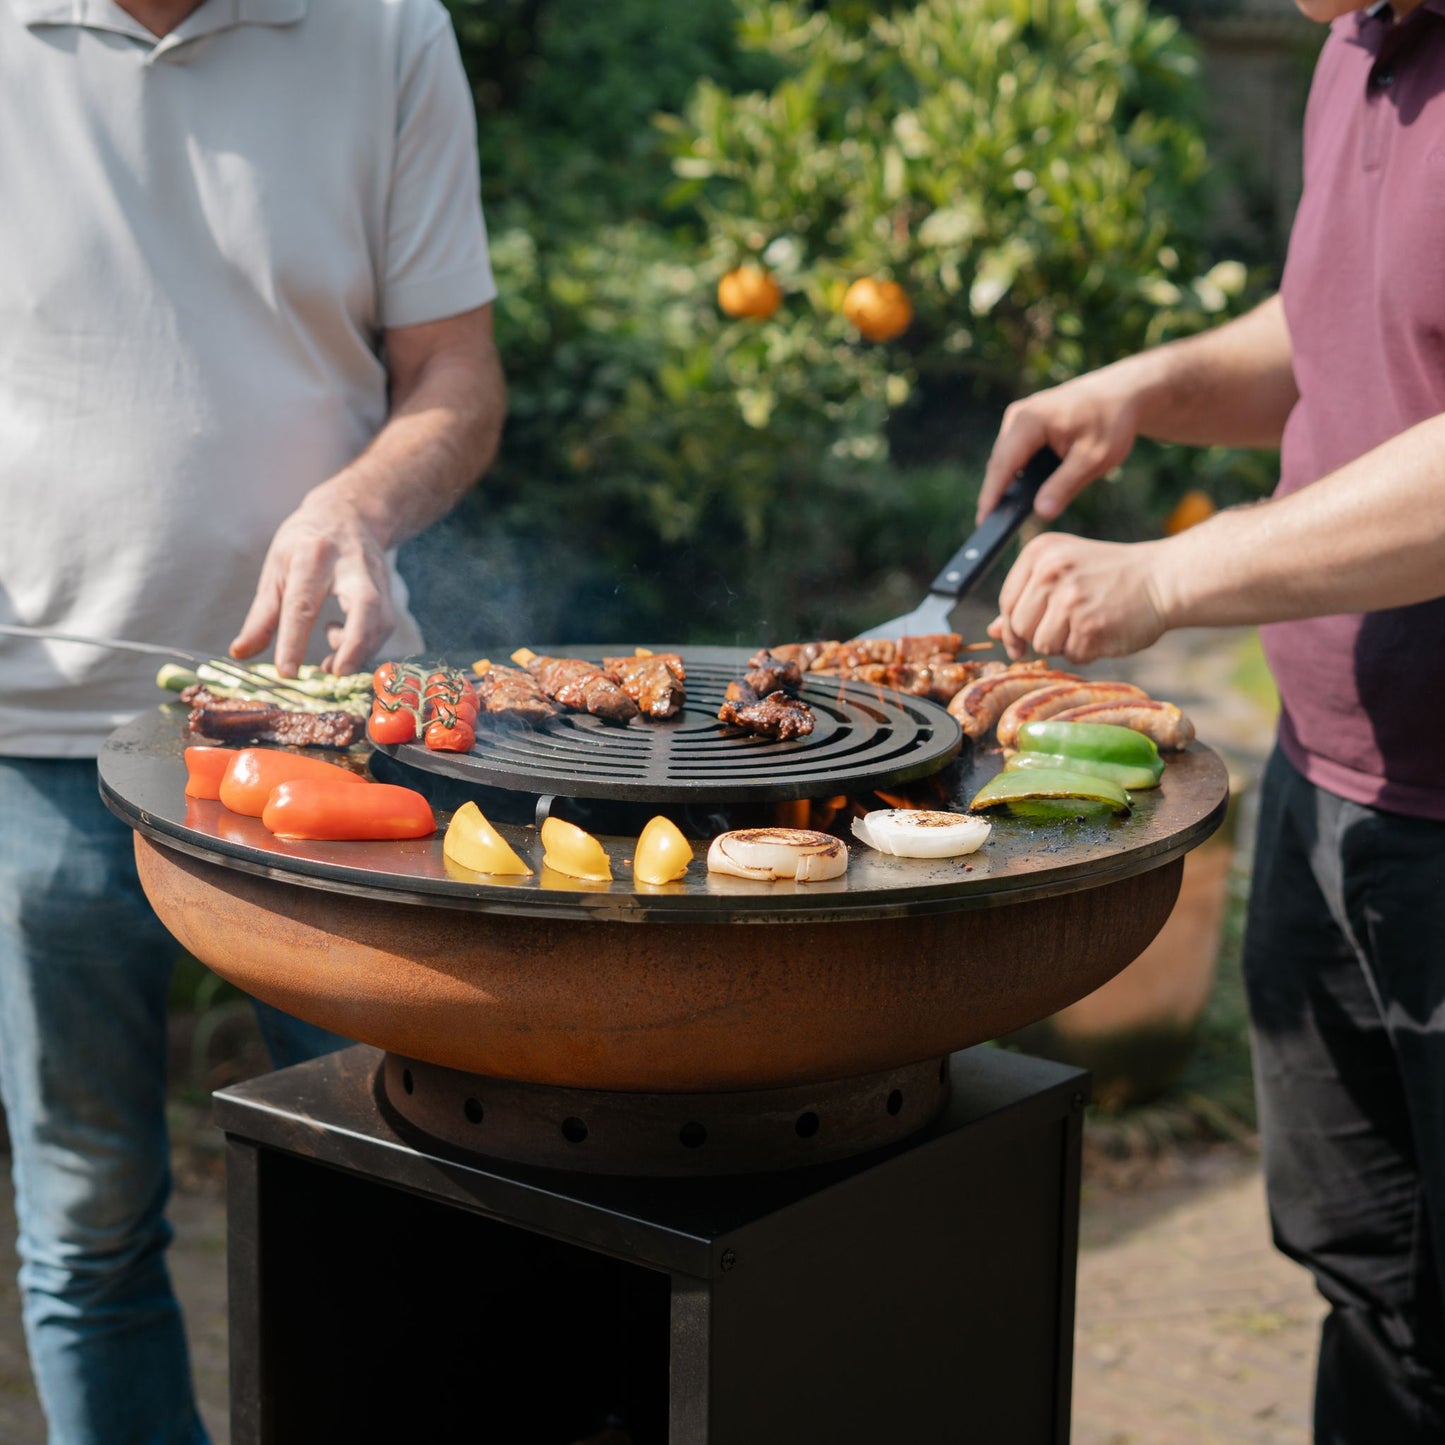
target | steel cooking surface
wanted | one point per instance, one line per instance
(862, 735)
(143, 778)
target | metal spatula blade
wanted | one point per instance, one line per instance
(245, 676)
(968, 566)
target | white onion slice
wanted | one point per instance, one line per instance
(921, 833)
(764, 854)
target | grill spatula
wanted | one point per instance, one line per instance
(966, 568)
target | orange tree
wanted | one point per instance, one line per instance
(1030, 174)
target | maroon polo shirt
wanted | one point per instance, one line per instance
(1364, 293)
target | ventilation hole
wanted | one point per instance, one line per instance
(407, 1082)
(474, 1111)
(692, 1136)
(574, 1131)
(895, 1102)
(807, 1125)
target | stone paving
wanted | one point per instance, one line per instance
(1191, 1330)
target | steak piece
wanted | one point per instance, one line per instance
(236, 720)
(767, 673)
(512, 696)
(654, 682)
(582, 686)
(776, 715)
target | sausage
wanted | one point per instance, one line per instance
(980, 705)
(1048, 701)
(1162, 721)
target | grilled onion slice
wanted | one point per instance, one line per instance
(921, 832)
(764, 854)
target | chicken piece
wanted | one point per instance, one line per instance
(582, 686)
(654, 682)
(512, 696)
(774, 715)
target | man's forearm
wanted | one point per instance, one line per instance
(1369, 536)
(441, 435)
(1232, 386)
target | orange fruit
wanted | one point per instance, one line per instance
(749, 291)
(1191, 509)
(880, 310)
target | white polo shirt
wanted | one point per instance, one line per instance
(202, 242)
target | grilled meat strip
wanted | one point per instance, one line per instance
(654, 682)
(237, 720)
(1166, 724)
(775, 715)
(980, 705)
(512, 696)
(582, 686)
(1046, 702)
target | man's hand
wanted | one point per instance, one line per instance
(448, 399)
(1081, 600)
(1092, 422)
(1233, 386)
(325, 548)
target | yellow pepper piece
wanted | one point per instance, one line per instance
(662, 852)
(574, 851)
(473, 843)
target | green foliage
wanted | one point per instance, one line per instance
(1031, 171)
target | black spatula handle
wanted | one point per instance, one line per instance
(964, 569)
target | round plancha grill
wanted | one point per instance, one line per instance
(863, 737)
(519, 1012)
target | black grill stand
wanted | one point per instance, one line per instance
(383, 1287)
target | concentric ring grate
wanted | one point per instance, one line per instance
(862, 734)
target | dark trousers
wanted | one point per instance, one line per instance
(1344, 960)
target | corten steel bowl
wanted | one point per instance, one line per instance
(621, 987)
(669, 1007)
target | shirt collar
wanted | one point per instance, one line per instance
(210, 16)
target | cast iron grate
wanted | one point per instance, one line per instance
(862, 735)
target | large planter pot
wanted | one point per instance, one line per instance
(1137, 1032)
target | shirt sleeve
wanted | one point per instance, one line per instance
(437, 261)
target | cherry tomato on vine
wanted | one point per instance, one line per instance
(391, 723)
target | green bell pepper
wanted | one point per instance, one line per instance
(1091, 742)
(1129, 776)
(1027, 789)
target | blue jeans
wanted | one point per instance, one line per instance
(85, 971)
